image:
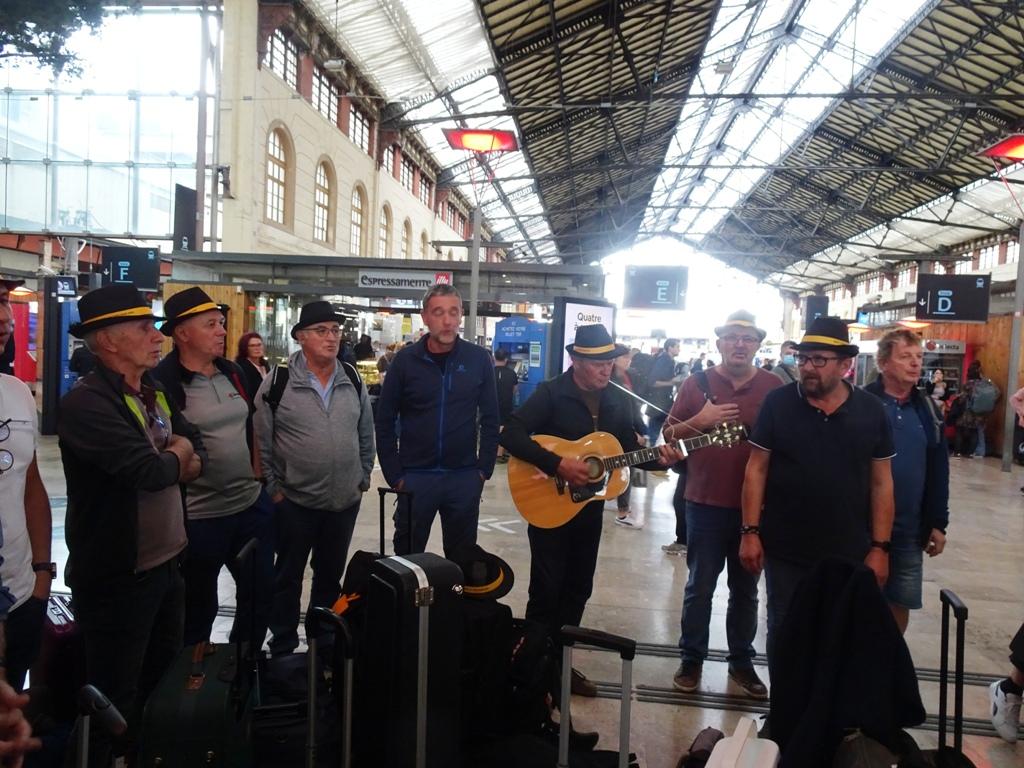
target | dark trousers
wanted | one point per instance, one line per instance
(715, 544)
(23, 631)
(965, 441)
(301, 530)
(781, 580)
(679, 507)
(455, 495)
(132, 631)
(562, 564)
(215, 542)
(1017, 649)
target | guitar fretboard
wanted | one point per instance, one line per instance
(651, 454)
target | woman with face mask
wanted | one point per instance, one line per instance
(786, 368)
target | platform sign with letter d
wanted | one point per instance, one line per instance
(953, 298)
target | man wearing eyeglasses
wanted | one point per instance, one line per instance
(819, 482)
(25, 568)
(732, 391)
(315, 439)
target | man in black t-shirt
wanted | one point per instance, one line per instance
(819, 482)
(506, 380)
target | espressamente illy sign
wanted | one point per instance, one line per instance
(402, 280)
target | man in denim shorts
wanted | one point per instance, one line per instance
(920, 469)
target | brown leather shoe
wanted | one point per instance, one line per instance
(581, 686)
(687, 677)
(747, 679)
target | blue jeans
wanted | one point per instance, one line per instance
(981, 448)
(214, 542)
(781, 580)
(654, 424)
(713, 542)
(455, 495)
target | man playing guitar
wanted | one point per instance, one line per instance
(570, 406)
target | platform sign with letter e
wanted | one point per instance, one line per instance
(953, 298)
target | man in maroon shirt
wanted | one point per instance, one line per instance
(732, 391)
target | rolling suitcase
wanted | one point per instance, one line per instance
(626, 648)
(408, 675)
(951, 756)
(60, 666)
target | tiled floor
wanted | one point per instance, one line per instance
(638, 593)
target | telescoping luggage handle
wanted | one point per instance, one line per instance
(951, 601)
(325, 618)
(399, 493)
(626, 648)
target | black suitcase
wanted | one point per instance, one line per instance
(946, 756)
(60, 666)
(409, 666)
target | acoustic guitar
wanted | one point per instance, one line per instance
(549, 502)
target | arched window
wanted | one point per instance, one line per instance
(407, 240)
(355, 238)
(384, 237)
(424, 246)
(323, 204)
(279, 160)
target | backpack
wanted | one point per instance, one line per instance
(280, 381)
(640, 373)
(983, 397)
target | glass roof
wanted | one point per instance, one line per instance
(434, 58)
(783, 54)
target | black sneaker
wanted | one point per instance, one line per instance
(747, 679)
(687, 677)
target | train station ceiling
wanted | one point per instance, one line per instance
(803, 141)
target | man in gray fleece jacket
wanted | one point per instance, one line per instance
(316, 448)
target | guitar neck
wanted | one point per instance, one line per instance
(643, 455)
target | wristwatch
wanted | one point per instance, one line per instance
(885, 546)
(745, 529)
(50, 568)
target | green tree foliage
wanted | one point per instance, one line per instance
(37, 31)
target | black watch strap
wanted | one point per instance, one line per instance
(885, 546)
(50, 568)
(754, 529)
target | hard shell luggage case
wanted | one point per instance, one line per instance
(951, 756)
(60, 666)
(408, 675)
(626, 648)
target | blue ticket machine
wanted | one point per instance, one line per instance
(526, 342)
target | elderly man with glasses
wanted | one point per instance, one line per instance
(819, 482)
(314, 430)
(732, 391)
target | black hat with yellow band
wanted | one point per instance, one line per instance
(185, 304)
(109, 305)
(828, 334)
(593, 342)
(485, 575)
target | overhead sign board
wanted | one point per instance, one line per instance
(953, 298)
(66, 286)
(402, 279)
(132, 266)
(654, 287)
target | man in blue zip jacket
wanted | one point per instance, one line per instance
(441, 392)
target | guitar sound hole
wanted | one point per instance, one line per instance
(595, 469)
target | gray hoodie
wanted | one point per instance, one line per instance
(317, 457)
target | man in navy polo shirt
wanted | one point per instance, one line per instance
(819, 482)
(920, 469)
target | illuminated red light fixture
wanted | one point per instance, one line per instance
(481, 140)
(912, 324)
(1010, 148)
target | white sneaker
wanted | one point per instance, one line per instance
(1005, 712)
(630, 521)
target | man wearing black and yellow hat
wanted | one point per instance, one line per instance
(820, 471)
(126, 450)
(570, 406)
(226, 505)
